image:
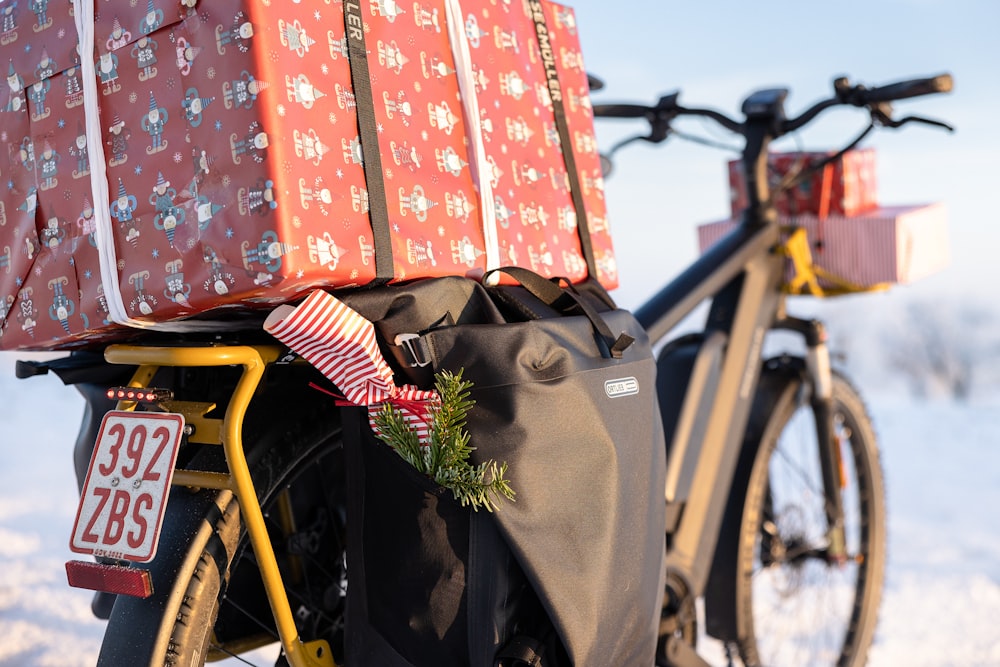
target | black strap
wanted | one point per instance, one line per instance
(378, 206)
(564, 300)
(562, 126)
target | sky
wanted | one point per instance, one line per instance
(718, 51)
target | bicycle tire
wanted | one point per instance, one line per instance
(215, 603)
(788, 594)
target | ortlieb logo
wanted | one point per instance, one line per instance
(621, 387)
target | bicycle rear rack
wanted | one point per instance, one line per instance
(228, 433)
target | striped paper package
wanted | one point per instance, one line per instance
(887, 245)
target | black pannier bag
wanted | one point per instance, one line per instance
(564, 391)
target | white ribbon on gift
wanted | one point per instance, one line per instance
(481, 168)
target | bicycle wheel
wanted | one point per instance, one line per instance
(216, 605)
(795, 605)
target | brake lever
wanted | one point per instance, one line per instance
(925, 121)
(883, 119)
(606, 158)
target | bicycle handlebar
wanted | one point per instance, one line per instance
(942, 83)
(845, 94)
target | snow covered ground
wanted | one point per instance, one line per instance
(942, 596)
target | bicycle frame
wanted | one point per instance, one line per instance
(743, 276)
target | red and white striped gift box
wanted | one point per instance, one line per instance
(341, 344)
(890, 244)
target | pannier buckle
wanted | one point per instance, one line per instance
(407, 341)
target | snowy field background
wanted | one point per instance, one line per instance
(942, 465)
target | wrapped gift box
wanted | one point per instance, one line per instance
(846, 186)
(227, 145)
(891, 244)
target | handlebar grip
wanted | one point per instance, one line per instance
(621, 111)
(942, 83)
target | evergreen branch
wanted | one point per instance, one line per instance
(445, 458)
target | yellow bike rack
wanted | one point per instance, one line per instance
(807, 274)
(228, 432)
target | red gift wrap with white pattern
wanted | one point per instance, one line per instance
(209, 156)
(846, 186)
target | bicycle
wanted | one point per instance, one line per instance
(726, 410)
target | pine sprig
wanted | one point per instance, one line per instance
(445, 458)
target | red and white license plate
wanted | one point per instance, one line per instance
(125, 493)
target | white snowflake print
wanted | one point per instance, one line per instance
(332, 118)
(132, 97)
(281, 110)
(190, 244)
(441, 230)
(317, 15)
(227, 180)
(178, 157)
(210, 72)
(324, 68)
(296, 222)
(423, 135)
(300, 273)
(339, 173)
(354, 274)
(388, 174)
(380, 128)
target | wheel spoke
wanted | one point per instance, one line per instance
(802, 607)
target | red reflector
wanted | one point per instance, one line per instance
(109, 578)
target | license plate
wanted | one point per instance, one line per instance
(125, 494)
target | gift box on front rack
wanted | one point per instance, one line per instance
(845, 186)
(888, 245)
(212, 159)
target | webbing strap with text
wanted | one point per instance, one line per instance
(562, 126)
(368, 129)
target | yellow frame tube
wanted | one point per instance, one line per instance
(254, 360)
